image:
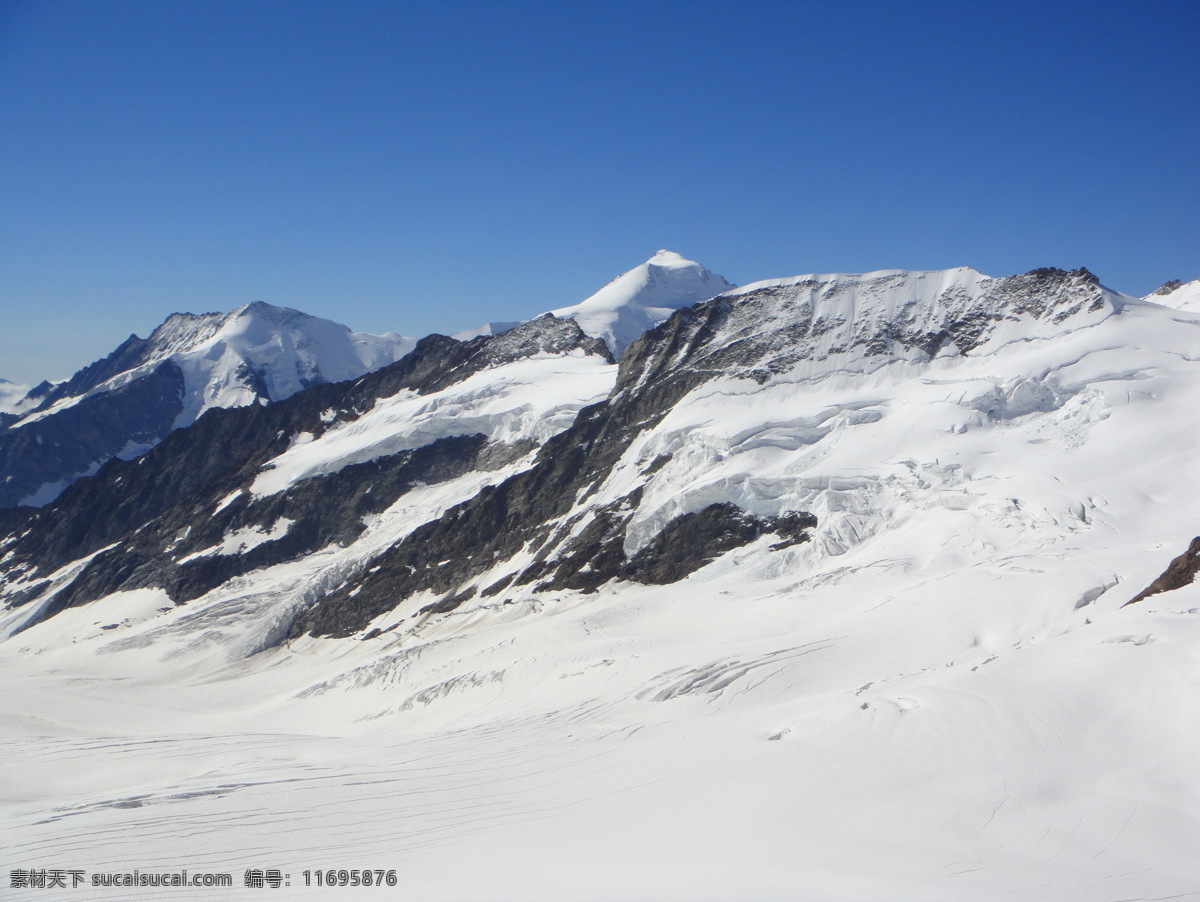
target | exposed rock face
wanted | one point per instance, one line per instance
(185, 518)
(48, 451)
(1179, 573)
(177, 332)
(752, 334)
(316, 513)
(532, 510)
(1167, 288)
(690, 541)
(38, 458)
(126, 403)
(769, 328)
(190, 494)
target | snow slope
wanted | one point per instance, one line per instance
(527, 400)
(1181, 296)
(939, 697)
(642, 298)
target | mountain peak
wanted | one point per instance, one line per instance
(643, 297)
(1166, 288)
(271, 313)
(663, 256)
(255, 354)
(1178, 294)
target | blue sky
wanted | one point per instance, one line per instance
(424, 167)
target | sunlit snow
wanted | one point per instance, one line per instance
(642, 298)
(940, 697)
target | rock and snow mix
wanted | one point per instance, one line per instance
(125, 404)
(940, 695)
(528, 399)
(1179, 295)
(258, 352)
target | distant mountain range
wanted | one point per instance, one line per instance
(257, 354)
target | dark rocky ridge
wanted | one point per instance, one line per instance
(69, 443)
(1179, 573)
(770, 330)
(1167, 288)
(320, 511)
(687, 543)
(537, 528)
(132, 353)
(751, 335)
(526, 510)
(73, 441)
(142, 506)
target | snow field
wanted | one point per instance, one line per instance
(533, 398)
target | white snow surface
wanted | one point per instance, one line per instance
(239, 541)
(533, 398)
(940, 697)
(256, 354)
(642, 298)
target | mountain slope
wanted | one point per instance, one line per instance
(445, 410)
(1179, 295)
(130, 400)
(820, 591)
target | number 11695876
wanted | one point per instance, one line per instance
(344, 877)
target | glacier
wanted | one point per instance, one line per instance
(938, 691)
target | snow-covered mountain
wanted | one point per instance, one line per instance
(631, 303)
(642, 298)
(821, 592)
(124, 404)
(1180, 295)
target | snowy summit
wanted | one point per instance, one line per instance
(1183, 296)
(644, 297)
(126, 403)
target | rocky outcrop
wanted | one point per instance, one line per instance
(867, 320)
(536, 511)
(1179, 573)
(1167, 288)
(41, 456)
(172, 519)
(205, 552)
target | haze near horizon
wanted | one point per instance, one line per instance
(404, 168)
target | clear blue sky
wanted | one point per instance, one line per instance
(421, 166)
